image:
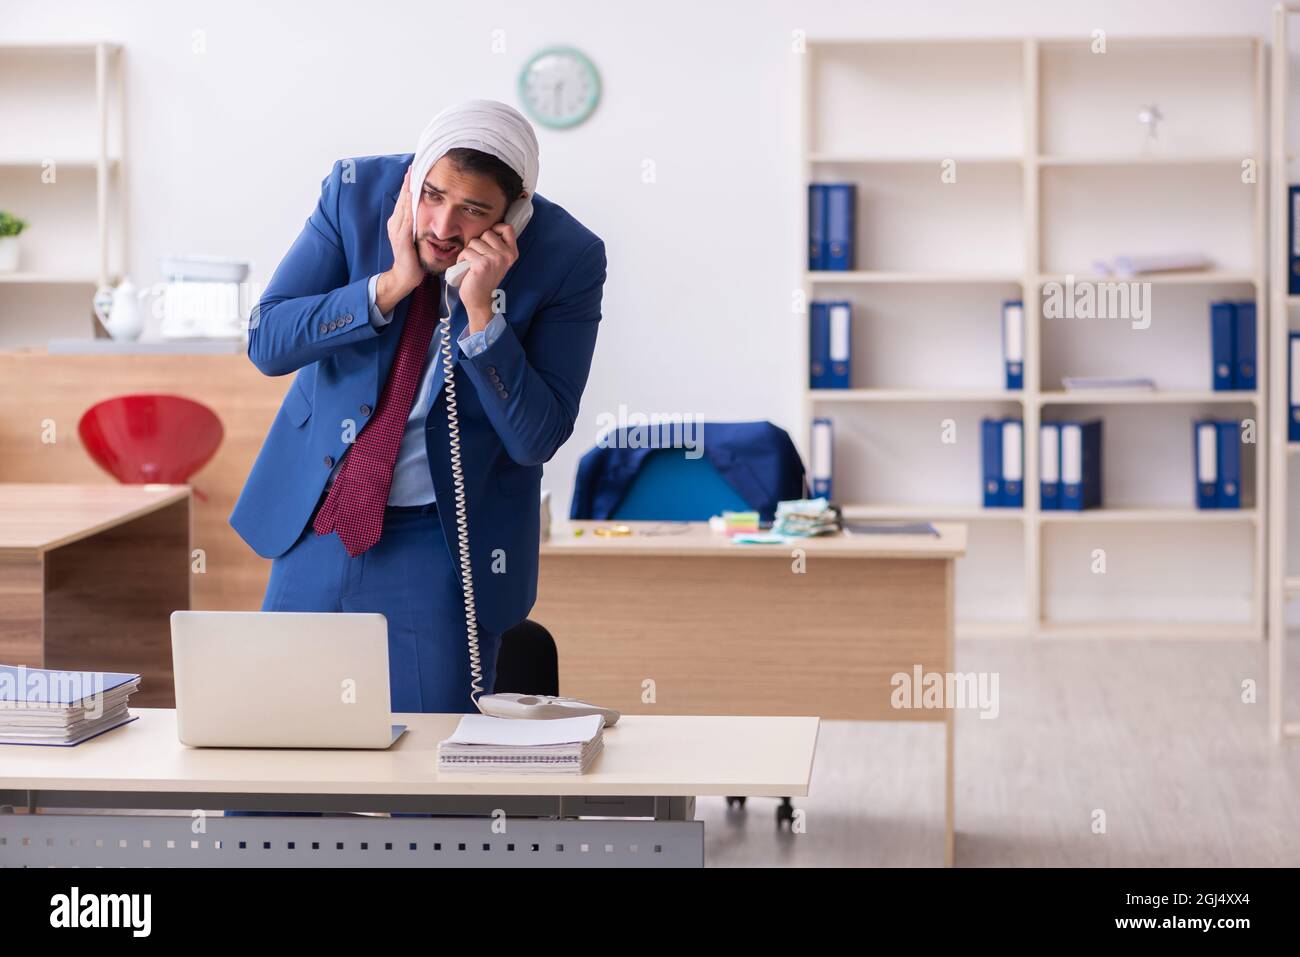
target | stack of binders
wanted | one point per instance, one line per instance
(832, 225)
(823, 458)
(1216, 451)
(62, 708)
(1069, 465)
(1003, 456)
(829, 345)
(1232, 345)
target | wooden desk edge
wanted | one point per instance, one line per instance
(161, 500)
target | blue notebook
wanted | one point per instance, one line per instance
(1205, 462)
(1244, 354)
(1081, 465)
(841, 225)
(1223, 340)
(991, 461)
(1293, 242)
(1013, 343)
(1228, 493)
(816, 226)
(829, 347)
(1049, 466)
(823, 457)
(1293, 387)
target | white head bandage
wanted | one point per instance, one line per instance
(484, 125)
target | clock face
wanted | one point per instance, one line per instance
(559, 87)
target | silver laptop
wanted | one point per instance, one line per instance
(282, 679)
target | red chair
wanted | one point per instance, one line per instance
(151, 438)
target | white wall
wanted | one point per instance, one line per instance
(226, 149)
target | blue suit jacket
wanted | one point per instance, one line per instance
(517, 399)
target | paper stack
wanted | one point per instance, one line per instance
(61, 708)
(1075, 383)
(484, 744)
(801, 518)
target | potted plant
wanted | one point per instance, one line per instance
(10, 227)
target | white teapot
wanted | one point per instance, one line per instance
(119, 309)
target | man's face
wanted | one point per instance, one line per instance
(454, 208)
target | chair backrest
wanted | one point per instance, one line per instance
(673, 488)
(638, 473)
(150, 438)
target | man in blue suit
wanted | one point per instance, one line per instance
(358, 522)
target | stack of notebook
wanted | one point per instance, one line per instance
(61, 708)
(484, 744)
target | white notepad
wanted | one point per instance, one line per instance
(484, 729)
(513, 745)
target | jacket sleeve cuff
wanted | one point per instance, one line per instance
(377, 318)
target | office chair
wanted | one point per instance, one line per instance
(527, 662)
(151, 438)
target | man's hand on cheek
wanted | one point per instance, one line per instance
(490, 256)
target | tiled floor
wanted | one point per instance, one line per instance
(1152, 733)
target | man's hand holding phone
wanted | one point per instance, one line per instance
(490, 256)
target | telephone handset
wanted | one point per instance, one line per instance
(517, 217)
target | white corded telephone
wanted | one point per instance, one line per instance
(497, 705)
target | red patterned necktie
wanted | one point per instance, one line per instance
(355, 504)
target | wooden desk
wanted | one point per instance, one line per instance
(652, 767)
(688, 622)
(89, 577)
(37, 387)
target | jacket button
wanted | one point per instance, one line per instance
(503, 393)
(346, 320)
(496, 378)
(347, 317)
(324, 328)
(365, 410)
(492, 371)
(329, 461)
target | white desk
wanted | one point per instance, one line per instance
(642, 787)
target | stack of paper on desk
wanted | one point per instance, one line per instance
(516, 745)
(61, 708)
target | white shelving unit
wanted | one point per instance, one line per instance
(1053, 171)
(63, 110)
(1284, 581)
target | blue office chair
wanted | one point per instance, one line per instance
(665, 484)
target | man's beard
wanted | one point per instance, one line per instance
(429, 266)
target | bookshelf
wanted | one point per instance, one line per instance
(62, 169)
(1052, 172)
(1283, 565)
